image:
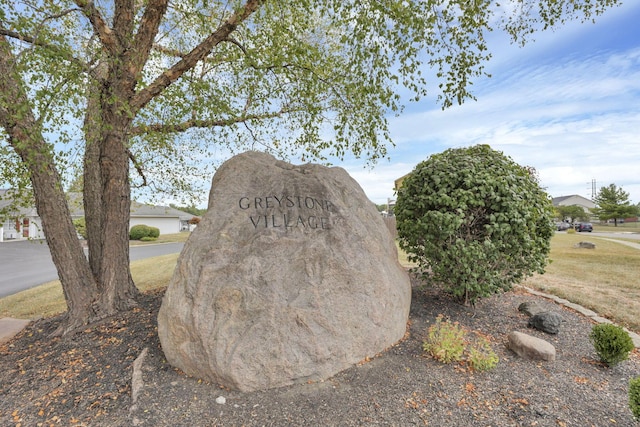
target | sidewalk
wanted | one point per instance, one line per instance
(10, 327)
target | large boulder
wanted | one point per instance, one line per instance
(291, 276)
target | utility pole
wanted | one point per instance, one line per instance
(593, 189)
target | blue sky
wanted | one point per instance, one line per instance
(567, 104)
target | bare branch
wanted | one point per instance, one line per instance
(138, 167)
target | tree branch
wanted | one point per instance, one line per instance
(53, 48)
(197, 54)
(25, 39)
(138, 167)
(146, 35)
(190, 124)
(106, 35)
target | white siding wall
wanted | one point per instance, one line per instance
(166, 225)
(35, 229)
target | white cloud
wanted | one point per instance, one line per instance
(574, 117)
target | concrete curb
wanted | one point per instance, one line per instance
(580, 309)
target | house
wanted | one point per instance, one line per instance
(398, 182)
(574, 200)
(24, 223)
(167, 219)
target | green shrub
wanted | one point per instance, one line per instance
(140, 231)
(612, 343)
(81, 227)
(634, 397)
(154, 232)
(445, 341)
(481, 356)
(148, 239)
(571, 230)
(474, 221)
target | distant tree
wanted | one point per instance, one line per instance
(612, 202)
(189, 209)
(81, 227)
(474, 221)
(573, 212)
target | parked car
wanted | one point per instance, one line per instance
(584, 226)
(562, 226)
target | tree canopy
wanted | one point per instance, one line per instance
(612, 202)
(135, 94)
(573, 212)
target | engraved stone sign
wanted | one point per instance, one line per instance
(291, 276)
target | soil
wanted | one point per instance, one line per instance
(86, 379)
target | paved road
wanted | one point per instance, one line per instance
(26, 264)
(621, 235)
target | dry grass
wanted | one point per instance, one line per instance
(42, 301)
(48, 300)
(604, 279)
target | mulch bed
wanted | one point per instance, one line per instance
(86, 379)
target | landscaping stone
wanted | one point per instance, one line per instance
(291, 276)
(530, 308)
(530, 347)
(546, 321)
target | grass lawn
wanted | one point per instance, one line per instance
(633, 227)
(604, 279)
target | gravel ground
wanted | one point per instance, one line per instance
(86, 380)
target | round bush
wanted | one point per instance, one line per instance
(474, 221)
(154, 232)
(612, 343)
(140, 231)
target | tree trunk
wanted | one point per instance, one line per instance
(68, 256)
(92, 177)
(25, 136)
(117, 290)
(106, 191)
(116, 287)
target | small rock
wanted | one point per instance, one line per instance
(585, 245)
(530, 308)
(531, 347)
(546, 321)
(221, 400)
